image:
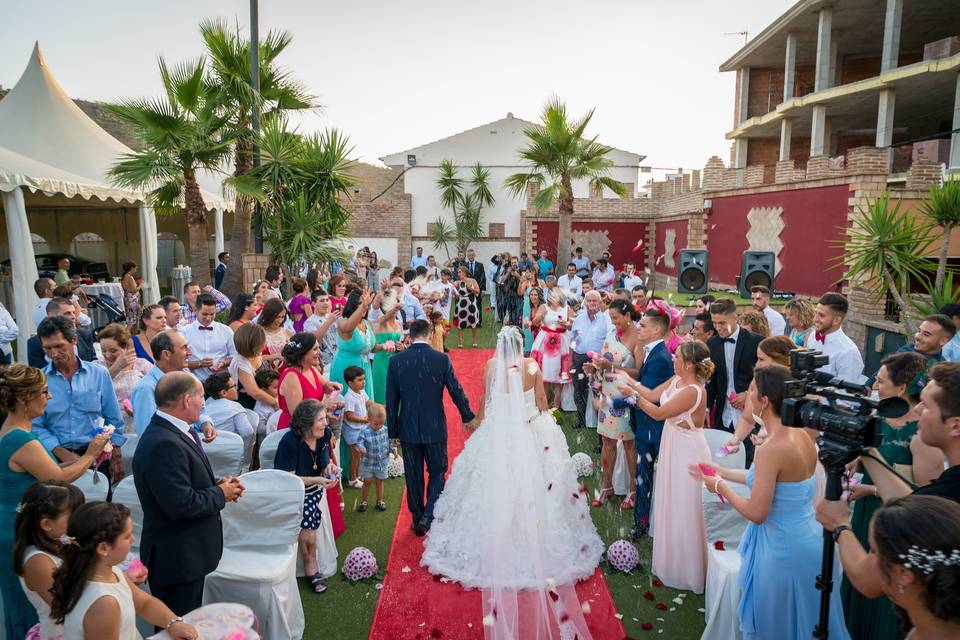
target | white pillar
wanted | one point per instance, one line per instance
(818, 131)
(740, 147)
(24, 267)
(891, 36)
(790, 67)
(825, 50)
(217, 231)
(148, 255)
(786, 130)
(743, 105)
(955, 138)
(888, 101)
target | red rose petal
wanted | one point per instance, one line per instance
(657, 583)
(583, 488)
(576, 496)
(649, 596)
(662, 607)
(549, 486)
(554, 595)
(647, 626)
(718, 545)
(564, 617)
(436, 633)
(546, 448)
(436, 577)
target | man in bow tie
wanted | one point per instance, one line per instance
(734, 352)
(211, 342)
(828, 337)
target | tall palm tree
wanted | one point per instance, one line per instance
(559, 154)
(229, 56)
(182, 133)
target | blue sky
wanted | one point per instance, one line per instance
(394, 75)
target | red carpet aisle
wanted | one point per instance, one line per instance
(413, 604)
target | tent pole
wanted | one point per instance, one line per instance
(218, 231)
(24, 266)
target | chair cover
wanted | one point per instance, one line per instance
(326, 544)
(273, 421)
(722, 594)
(567, 402)
(254, 419)
(225, 454)
(94, 485)
(716, 438)
(127, 450)
(621, 472)
(721, 521)
(258, 567)
(268, 449)
(125, 493)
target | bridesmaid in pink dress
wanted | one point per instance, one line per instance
(299, 380)
(679, 539)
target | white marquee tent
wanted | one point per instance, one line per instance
(50, 146)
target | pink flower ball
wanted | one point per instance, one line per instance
(359, 564)
(623, 556)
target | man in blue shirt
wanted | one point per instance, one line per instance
(525, 262)
(582, 263)
(81, 399)
(544, 265)
(590, 328)
(418, 260)
(170, 352)
(951, 351)
(933, 335)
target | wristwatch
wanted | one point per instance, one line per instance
(172, 622)
(837, 531)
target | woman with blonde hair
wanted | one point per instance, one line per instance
(799, 312)
(755, 322)
(680, 541)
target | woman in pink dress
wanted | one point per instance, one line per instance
(679, 539)
(299, 380)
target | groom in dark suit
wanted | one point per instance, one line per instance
(656, 369)
(181, 500)
(416, 378)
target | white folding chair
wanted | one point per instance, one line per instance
(127, 449)
(273, 421)
(326, 544)
(254, 419)
(95, 485)
(721, 593)
(258, 567)
(716, 438)
(225, 454)
(125, 493)
(268, 449)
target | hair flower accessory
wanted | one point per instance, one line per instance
(66, 540)
(926, 561)
(293, 344)
(20, 507)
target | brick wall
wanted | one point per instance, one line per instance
(384, 218)
(254, 266)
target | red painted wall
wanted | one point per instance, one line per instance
(623, 238)
(660, 263)
(813, 218)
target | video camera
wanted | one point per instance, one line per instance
(847, 418)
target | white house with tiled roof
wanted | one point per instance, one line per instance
(496, 145)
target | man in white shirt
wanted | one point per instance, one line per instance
(211, 343)
(433, 271)
(846, 362)
(445, 301)
(571, 282)
(761, 302)
(44, 290)
(174, 312)
(630, 277)
(603, 276)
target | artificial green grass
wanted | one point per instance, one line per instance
(346, 610)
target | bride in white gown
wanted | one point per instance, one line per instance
(512, 520)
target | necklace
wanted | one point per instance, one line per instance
(314, 453)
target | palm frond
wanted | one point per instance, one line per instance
(450, 185)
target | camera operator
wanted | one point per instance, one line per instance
(938, 416)
(781, 547)
(916, 542)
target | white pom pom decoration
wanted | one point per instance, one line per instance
(582, 463)
(360, 564)
(623, 556)
(394, 466)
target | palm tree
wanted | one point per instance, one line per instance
(466, 206)
(558, 155)
(943, 210)
(181, 133)
(229, 56)
(884, 249)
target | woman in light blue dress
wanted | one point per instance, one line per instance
(781, 548)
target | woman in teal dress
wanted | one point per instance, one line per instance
(356, 339)
(900, 375)
(781, 548)
(23, 461)
(389, 341)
